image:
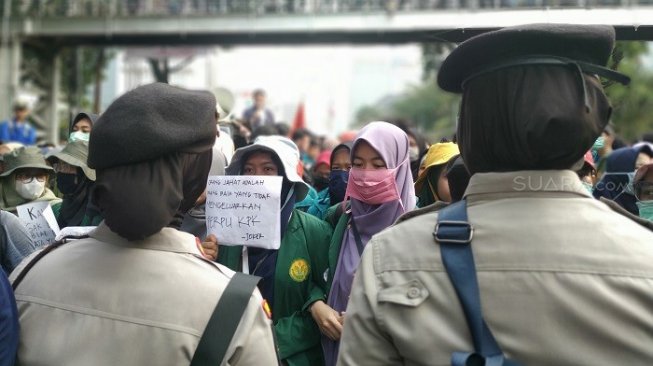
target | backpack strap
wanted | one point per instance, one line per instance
(40, 256)
(454, 233)
(224, 321)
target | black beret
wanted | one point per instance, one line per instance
(152, 121)
(590, 44)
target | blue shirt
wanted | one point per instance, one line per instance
(8, 323)
(14, 131)
(15, 242)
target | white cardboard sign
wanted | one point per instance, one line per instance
(244, 210)
(40, 222)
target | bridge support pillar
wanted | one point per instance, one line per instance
(10, 58)
(53, 118)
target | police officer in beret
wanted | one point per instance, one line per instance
(137, 291)
(563, 280)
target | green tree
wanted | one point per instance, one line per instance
(368, 113)
(81, 68)
(434, 111)
(428, 108)
(632, 105)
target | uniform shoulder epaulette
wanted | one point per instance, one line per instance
(614, 206)
(421, 211)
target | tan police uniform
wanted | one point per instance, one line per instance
(563, 281)
(108, 301)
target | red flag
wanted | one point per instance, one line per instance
(299, 121)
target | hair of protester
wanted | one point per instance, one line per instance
(647, 137)
(300, 133)
(282, 128)
(265, 130)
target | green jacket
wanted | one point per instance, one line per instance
(339, 221)
(86, 221)
(300, 280)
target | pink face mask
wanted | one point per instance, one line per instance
(373, 186)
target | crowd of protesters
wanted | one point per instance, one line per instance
(376, 228)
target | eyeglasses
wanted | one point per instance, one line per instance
(29, 179)
(644, 191)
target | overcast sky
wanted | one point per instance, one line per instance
(334, 81)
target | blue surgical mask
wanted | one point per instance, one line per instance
(599, 143)
(645, 209)
(338, 185)
(79, 135)
(629, 188)
(589, 187)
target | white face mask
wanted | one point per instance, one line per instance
(79, 135)
(413, 153)
(30, 191)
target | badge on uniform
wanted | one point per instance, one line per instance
(299, 270)
(266, 309)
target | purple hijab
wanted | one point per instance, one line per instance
(392, 144)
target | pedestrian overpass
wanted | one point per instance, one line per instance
(71, 23)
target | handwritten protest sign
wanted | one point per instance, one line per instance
(40, 222)
(244, 210)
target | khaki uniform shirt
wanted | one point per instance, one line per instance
(107, 301)
(563, 281)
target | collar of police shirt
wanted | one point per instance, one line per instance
(552, 183)
(167, 240)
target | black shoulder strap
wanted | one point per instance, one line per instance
(224, 321)
(454, 234)
(357, 237)
(40, 256)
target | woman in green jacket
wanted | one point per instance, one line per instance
(294, 276)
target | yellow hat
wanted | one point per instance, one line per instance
(438, 154)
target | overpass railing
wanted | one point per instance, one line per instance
(200, 8)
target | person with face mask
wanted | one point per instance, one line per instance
(587, 173)
(602, 148)
(25, 179)
(316, 202)
(339, 176)
(136, 278)
(417, 147)
(432, 185)
(292, 276)
(321, 170)
(76, 181)
(643, 187)
(616, 184)
(323, 206)
(380, 189)
(81, 126)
